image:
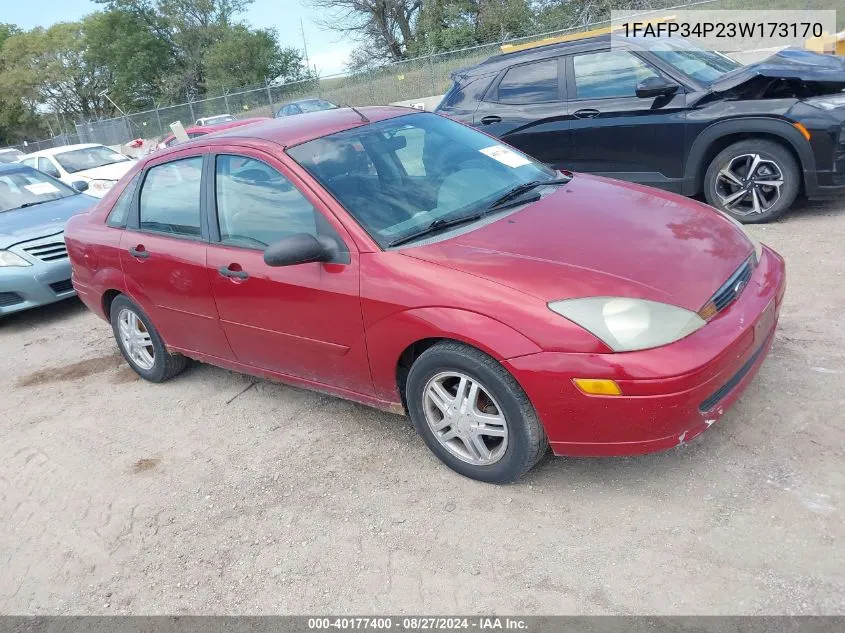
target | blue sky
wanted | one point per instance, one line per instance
(327, 50)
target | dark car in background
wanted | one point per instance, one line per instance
(673, 116)
(304, 105)
(34, 265)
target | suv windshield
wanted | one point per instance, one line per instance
(399, 176)
(26, 187)
(88, 158)
(702, 65)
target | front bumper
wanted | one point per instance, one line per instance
(41, 283)
(671, 394)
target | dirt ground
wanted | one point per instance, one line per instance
(209, 495)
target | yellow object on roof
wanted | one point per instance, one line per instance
(572, 37)
(831, 44)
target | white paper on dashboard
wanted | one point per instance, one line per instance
(505, 156)
(41, 188)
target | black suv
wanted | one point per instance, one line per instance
(669, 115)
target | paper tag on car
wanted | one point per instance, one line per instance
(41, 188)
(505, 156)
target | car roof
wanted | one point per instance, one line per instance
(290, 131)
(61, 149)
(4, 167)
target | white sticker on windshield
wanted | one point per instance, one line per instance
(505, 156)
(41, 188)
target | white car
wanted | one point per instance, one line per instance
(87, 167)
(214, 120)
(10, 155)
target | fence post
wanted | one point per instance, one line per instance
(269, 95)
(191, 108)
(158, 119)
(431, 72)
(226, 99)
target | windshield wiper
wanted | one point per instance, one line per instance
(438, 225)
(502, 202)
(510, 194)
(32, 204)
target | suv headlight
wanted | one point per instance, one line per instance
(758, 247)
(8, 258)
(627, 325)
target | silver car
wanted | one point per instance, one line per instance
(34, 208)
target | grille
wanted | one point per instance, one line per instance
(730, 290)
(725, 389)
(48, 252)
(9, 299)
(62, 286)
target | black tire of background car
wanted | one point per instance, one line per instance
(166, 365)
(527, 441)
(769, 150)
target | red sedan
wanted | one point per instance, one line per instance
(201, 130)
(405, 261)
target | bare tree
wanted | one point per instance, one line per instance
(386, 27)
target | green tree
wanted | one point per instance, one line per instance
(244, 57)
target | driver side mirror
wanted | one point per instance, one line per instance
(79, 185)
(656, 87)
(301, 248)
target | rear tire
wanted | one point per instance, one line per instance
(140, 343)
(473, 414)
(731, 186)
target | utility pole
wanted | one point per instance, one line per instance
(304, 45)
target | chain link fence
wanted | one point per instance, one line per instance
(408, 80)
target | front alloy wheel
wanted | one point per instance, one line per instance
(749, 184)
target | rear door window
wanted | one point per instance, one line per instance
(531, 83)
(170, 198)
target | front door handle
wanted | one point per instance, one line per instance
(139, 252)
(586, 113)
(491, 119)
(232, 272)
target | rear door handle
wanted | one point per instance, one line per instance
(139, 252)
(586, 113)
(491, 119)
(227, 271)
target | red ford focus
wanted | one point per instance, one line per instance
(411, 263)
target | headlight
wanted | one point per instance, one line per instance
(7, 258)
(101, 186)
(626, 325)
(758, 247)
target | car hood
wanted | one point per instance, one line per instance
(48, 218)
(599, 237)
(114, 171)
(810, 73)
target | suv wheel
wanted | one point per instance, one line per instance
(140, 343)
(473, 414)
(753, 181)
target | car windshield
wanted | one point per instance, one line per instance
(702, 65)
(215, 120)
(314, 105)
(26, 187)
(10, 155)
(398, 176)
(88, 158)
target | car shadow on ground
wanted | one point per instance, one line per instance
(42, 315)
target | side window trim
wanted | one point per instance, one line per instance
(572, 89)
(133, 221)
(210, 218)
(491, 94)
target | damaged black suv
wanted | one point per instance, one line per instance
(669, 115)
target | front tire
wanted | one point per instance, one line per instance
(753, 181)
(473, 414)
(140, 343)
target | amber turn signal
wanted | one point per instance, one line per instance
(598, 386)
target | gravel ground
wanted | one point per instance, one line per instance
(215, 493)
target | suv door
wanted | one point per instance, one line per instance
(303, 320)
(162, 253)
(615, 132)
(525, 107)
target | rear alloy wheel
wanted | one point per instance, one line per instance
(753, 181)
(140, 343)
(473, 414)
